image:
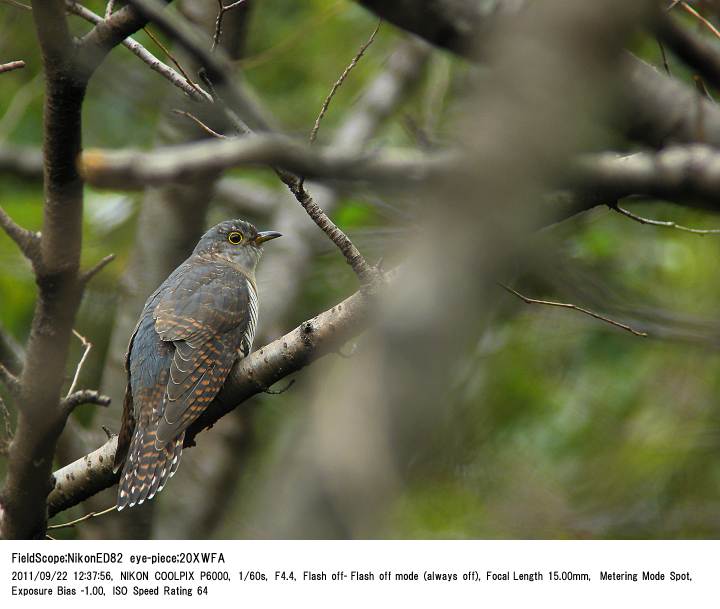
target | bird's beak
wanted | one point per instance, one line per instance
(266, 235)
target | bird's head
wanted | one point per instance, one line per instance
(236, 241)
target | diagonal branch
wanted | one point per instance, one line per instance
(352, 255)
(95, 269)
(27, 241)
(179, 80)
(341, 80)
(11, 65)
(565, 305)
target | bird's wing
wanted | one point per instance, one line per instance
(208, 316)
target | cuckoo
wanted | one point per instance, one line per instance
(191, 331)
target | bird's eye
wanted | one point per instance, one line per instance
(235, 237)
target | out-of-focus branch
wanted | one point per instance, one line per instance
(678, 173)
(11, 353)
(22, 161)
(313, 339)
(11, 65)
(132, 169)
(657, 109)
(457, 25)
(245, 197)
(690, 48)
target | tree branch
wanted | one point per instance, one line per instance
(22, 161)
(133, 169)
(108, 33)
(11, 65)
(583, 310)
(96, 268)
(217, 66)
(27, 241)
(689, 47)
(677, 173)
(84, 396)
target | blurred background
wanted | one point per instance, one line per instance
(557, 426)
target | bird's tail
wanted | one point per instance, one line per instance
(147, 469)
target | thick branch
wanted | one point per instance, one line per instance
(677, 173)
(458, 25)
(690, 48)
(132, 169)
(657, 109)
(313, 339)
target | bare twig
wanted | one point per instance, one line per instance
(667, 224)
(565, 305)
(222, 9)
(87, 345)
(109, 8)
(200, 124)
(72, 523)
(341, 80)
(172, 58)
(84, 396)
(690, 10)
(11, 65)
(95, 269)
(27, 241)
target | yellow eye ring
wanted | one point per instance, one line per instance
(235, 237)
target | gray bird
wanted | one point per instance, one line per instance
(192, 330)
